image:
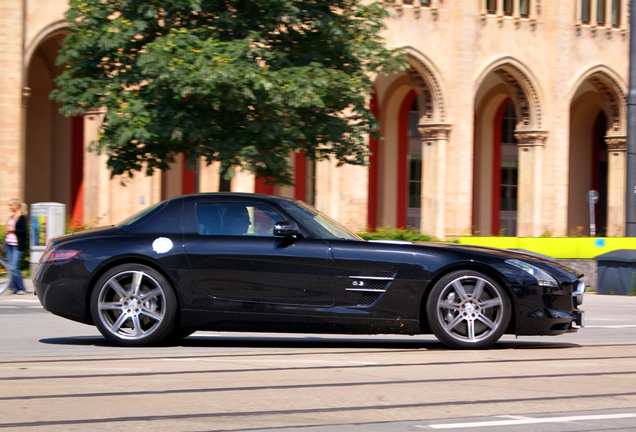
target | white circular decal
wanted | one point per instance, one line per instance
(162, 245)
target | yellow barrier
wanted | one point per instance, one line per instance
(556, 247)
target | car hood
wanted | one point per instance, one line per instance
(541, 261)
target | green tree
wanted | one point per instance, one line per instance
(243, 82)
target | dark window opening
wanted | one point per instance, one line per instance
(422, 2)
(616, 13)
(414, 169)
(415, 181)
(600, 12)
(586, 11)
(310, 182)
(507, 7)
(509, 171)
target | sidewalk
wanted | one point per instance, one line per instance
(28, 284)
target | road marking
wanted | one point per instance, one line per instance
(20, 307)
(186, 359)
(528, 420)
(18, 300)
(613, 326)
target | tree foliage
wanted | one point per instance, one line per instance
(243, 82)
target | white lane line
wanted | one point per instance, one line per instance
(614, 326)
(183, 359)
(527, 421)
(20, 306)
(516, 417)
(22, 301)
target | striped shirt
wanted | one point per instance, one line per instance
(11, 238)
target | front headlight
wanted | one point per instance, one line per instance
(543, 279)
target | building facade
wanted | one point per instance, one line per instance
(511, 112)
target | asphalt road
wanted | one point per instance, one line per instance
(56, 375)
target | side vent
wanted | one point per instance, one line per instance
(368, 299)
(371, 287)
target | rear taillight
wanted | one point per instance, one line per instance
(59, 255)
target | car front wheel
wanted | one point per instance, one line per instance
(133, 305)
(467, 309)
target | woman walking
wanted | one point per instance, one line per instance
(15, 241)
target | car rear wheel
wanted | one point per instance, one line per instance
(467, 309)
(133, 305)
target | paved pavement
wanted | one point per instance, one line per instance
(608, 318)
(58, 375)
(28, 284)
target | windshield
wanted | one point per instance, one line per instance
(320, 225)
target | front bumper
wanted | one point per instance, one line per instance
(550, 312)
(580, 320)
(578, 292)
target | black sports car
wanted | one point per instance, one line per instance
(246, 262)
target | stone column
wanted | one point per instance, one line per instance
(434, 157)
(11, 79)
(616, 183)
(529, 198)
(96, 176)
(26, 94)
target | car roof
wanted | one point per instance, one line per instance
(234, 195)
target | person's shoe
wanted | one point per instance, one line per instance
(21, 292)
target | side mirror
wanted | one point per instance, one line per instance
(286, 228)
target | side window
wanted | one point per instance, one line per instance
(263, 220)
(209, 219)
(236, 219)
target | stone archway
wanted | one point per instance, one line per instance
(507, 84)
(597, 153)
(53, 144)
(398, 95)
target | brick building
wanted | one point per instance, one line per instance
(511, 112)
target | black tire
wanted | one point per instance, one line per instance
(461, 321)
(134, 305)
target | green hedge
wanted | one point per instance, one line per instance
(410, 234)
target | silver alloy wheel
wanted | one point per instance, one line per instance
(131, 305)
(469, 310)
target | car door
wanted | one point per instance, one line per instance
(236, 259)
(373, 274)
